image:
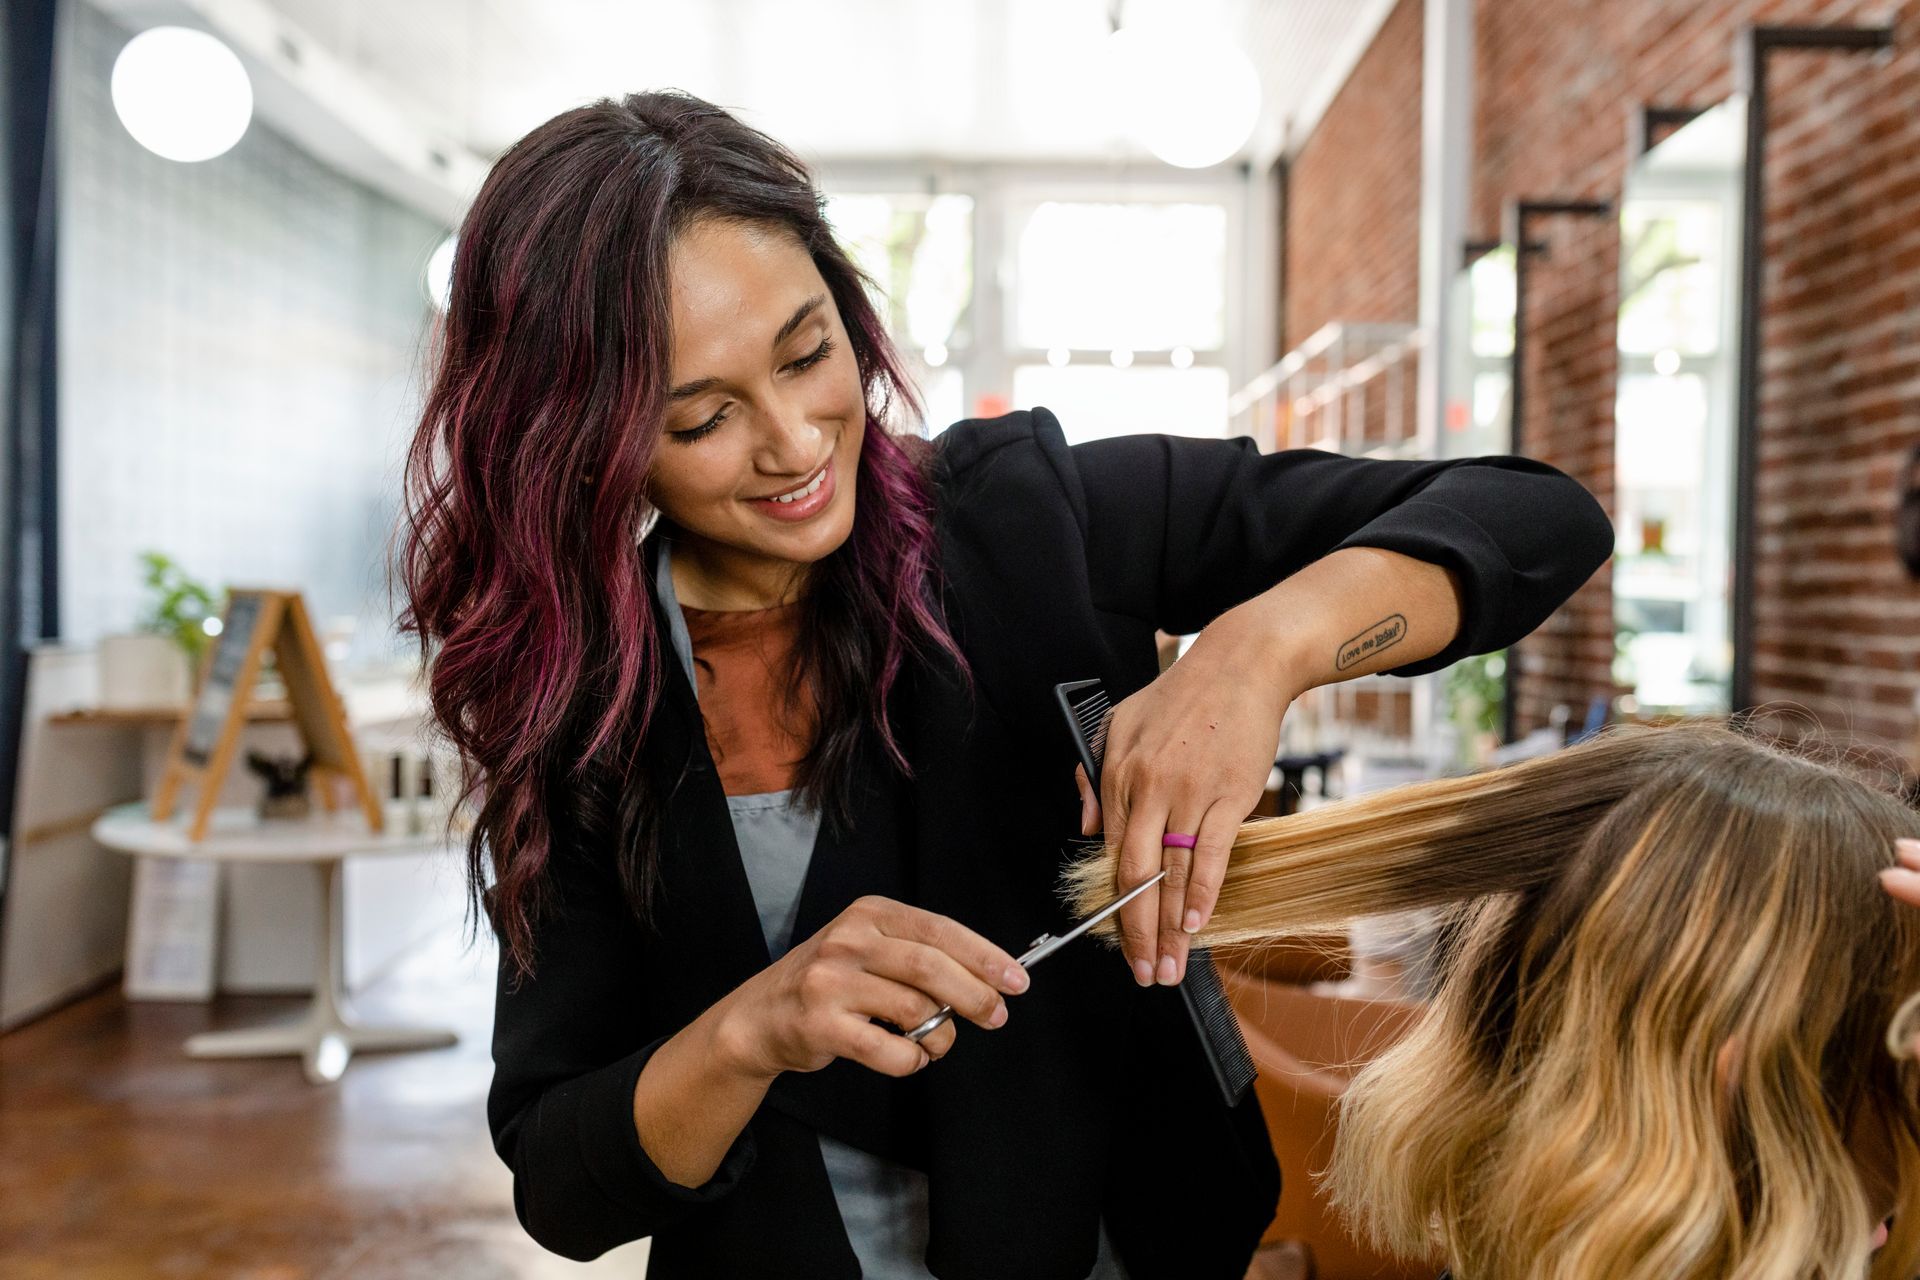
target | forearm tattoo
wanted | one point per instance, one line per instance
(1382, 635)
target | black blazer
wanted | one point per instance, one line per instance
(1094, 1098)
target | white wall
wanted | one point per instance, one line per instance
(240, 340)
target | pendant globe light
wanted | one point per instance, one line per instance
(181, 93)
(1185, 91)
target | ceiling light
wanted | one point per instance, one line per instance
(438, 279)
(1190, 96)
(181, 93)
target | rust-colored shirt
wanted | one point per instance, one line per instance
(741, 662)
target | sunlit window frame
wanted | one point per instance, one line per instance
(1000, 189)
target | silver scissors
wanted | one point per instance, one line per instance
(1045, 945)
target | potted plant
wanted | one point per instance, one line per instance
(155, 665)
(1475, 694)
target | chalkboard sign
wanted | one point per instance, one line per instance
(258, 620)
(216, 698)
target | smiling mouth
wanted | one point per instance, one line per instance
(807, 489)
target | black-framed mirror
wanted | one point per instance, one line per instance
(1676, 416)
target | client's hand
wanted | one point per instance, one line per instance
(1903, 882)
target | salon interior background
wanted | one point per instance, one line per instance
(992, 201)
(220, 359)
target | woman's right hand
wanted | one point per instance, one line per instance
(877, 959)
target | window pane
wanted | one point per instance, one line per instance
(1096, 401)
(1479, 357)
(919, 250)
(1487, 430)
(1146, 277)
(940, 390)
(1491, 281)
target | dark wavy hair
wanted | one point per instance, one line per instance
(524, 500)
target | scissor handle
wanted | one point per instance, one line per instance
(926, 1028)
(1046, 944)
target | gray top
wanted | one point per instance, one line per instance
(883, 1205)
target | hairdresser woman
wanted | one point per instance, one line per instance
(757, 700)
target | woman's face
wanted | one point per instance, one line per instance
(764, 400)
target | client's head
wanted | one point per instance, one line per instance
(1658, 1047)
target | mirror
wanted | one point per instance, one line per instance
(1674, 417)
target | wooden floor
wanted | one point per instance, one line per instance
(122, 1158)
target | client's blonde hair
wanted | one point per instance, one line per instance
(1667, 972)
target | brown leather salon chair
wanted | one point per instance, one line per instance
(1307, 1047)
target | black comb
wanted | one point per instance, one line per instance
(1085, 704)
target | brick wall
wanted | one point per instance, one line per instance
(1837, 624)
(1353, 193)
(1556, 82)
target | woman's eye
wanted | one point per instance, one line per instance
(705, 428)
(818, 354)
(807, 361)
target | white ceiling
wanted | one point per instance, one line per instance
(859, 79)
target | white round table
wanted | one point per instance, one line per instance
(326, 1035)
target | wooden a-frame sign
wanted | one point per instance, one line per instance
(257, 619)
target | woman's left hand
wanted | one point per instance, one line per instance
(1189, 753)
(1903, 882)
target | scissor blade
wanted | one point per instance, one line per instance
(1094, 919)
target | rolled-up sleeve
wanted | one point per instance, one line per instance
(1179, 530)
(566, 1062)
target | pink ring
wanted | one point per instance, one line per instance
(1175, 840)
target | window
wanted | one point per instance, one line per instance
(1479, 397)
(1112, 304)
(1134, 277)
(1117, 314)
(1094, 401)
(918, 251)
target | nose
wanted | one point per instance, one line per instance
(790, 445)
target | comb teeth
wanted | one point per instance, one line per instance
(1087, 705)
(1220, 1035)
(1091, 716)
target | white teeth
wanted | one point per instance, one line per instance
(812, 487)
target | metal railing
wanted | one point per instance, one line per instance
(1349, 388)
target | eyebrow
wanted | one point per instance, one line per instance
(687, 390)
